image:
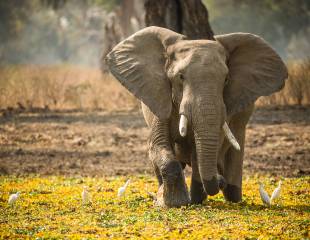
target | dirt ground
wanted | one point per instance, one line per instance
(115, 143)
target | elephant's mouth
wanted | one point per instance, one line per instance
(206, 151)
(228, 134)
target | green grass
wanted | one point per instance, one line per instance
(51, 208)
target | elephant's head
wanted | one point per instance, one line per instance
(207, 81)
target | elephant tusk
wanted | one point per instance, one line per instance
(183, 126)
(231, 138)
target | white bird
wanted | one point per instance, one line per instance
(264, 195)
(13, 198)
(64, 23)
(276, 193)
(122, 189)
(85, 195)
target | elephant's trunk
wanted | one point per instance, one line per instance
(206, 126)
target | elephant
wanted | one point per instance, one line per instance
(197, 97)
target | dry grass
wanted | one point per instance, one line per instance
(61, 87)
(297, 87)
(76, 87)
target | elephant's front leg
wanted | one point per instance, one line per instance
(172, 187)
(233, 160)
(233, 173)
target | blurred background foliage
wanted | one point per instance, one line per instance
(57, 44)
(283, 23)
(52, 32)
(64, 31)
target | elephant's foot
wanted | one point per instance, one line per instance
(166, 198)
(173, 192)
(159, 201)
(232, 193)
(198, 194)
(172, 196)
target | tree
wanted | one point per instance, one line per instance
(278, 22)
(189, 17)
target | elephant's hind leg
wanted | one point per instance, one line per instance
(185, 154)
(168, 170)
(198, 195)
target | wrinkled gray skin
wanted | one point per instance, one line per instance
(209, 82)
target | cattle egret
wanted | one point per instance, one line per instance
(85, 195)
(13, 198)
(276, 193)
(122, 189)
(264, 195)
(64, 23)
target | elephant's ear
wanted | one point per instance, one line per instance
(255, 70)
(138, 63)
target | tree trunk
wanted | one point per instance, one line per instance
(124, 21)
(189, 17)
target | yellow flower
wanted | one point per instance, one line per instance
(51, 208)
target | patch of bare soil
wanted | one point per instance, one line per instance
(115, 143)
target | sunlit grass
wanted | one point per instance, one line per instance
(51, 207)
(61, 87)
